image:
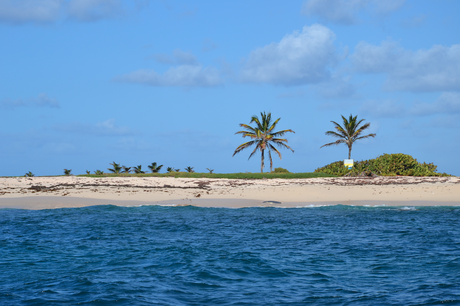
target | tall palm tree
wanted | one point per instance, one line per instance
(263, 137)
(348, 133)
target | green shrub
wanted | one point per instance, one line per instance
(384, 165)
(280, 170)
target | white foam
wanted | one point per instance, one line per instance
(408, 208)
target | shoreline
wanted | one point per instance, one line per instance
(60, 192)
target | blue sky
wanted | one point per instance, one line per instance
(88, 82)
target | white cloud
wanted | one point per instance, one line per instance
(299, 58)
(435, 69)
(180, 76)
(43, 100)
(347, 11)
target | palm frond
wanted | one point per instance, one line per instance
(248, 127)
(361, 129)
(335, 134)
(274, 149)
(246, 133)
(367, 136)
(272, 127)
(281, 133)
(258, 147)
(339, 141)
(244, 146)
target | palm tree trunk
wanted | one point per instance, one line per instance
(262, 162)
(271, 161)
(349, 152)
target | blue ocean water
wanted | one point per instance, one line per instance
(153, 255)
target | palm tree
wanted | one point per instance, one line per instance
(138, 169)
(126, 169)
(348, 133)
(189, 169)
(263, 137)
(155, 168)
(116, 168)
(67, 171)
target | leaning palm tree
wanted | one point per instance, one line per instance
(263, 137)
(348, 133)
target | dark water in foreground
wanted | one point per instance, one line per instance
(108, 255)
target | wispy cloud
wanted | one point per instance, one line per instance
(187, 72)
(104, 128)
(448, 103)
(42, 100)
(17, 12)
(414, 21)
(347, 11)
(434, 69)
(178, 57)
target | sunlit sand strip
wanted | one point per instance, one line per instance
(57, 192)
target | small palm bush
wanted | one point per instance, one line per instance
(154, 168)
(138, 169)
(116, 168)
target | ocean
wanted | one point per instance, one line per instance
(154, 255)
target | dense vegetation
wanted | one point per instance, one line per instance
(218, 175)
(384, 165)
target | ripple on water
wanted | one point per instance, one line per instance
(108, 255)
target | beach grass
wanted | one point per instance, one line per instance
(217, 175)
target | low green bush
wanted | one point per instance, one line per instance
(384, 165)
(280, 170)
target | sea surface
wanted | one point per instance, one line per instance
(153, 255)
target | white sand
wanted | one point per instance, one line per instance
(54, 192)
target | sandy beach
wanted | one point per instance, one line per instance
(71, 191)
